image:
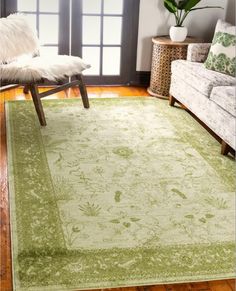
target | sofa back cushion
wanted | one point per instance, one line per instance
(222, 54)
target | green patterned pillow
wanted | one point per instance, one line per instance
(222, 55)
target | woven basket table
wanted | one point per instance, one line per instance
(164, 52)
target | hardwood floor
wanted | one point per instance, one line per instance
(5, 252)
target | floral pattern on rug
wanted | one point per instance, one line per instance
(130, 192)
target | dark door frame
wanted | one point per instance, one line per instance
(129, 39)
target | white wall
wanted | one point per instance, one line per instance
(230, 12)
(155, 20)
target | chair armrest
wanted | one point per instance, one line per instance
(198, 52)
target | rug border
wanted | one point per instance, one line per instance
(11, 195)
(55, 287)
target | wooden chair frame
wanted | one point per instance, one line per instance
(17, 23)
(36, 96)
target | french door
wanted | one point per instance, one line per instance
(103, 32)
(106, 38)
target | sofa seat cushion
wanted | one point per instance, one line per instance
(196, 75)
(225, 97)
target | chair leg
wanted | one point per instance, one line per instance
(66, 91)
(26, 89)
(38, 104)
(225, 148)
(83, 91)
(172, 100)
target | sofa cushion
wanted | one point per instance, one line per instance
(222, 55)
(198, 52)
(201, 79)
(225, 97)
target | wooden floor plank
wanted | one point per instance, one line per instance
(155, 288)
(219, 286)
(231, 283)
(178, 287)
(199, 286)
(5, 252)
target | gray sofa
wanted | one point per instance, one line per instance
(209, 95)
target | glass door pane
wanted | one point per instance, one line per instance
(113, 6)
(92, 6)
(92, 56)
(27, 5)
(91, 30)
(48, 34)
(112, 30)
(44, 15)
(111, 61)
(49, 6)
(102, 34)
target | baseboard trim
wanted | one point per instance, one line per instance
(8, 87)
(141, 78)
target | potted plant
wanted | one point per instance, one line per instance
(181, 9)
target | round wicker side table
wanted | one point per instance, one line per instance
(164, 52)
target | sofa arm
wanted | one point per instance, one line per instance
(198, 52)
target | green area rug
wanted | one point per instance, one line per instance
(130, 192)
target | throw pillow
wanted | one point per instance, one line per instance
(222, 54)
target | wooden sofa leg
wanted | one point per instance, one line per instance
(38, 104)
(172, 100)
(26, 89)
(83, 91)
(225, 148)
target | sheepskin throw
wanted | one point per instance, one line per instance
(17, 38)
(53, 68)
(19, 43)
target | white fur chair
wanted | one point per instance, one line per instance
(21, 64)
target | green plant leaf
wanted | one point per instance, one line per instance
(188, 5)
(182, 4)
(170, 5)
(206, 7)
